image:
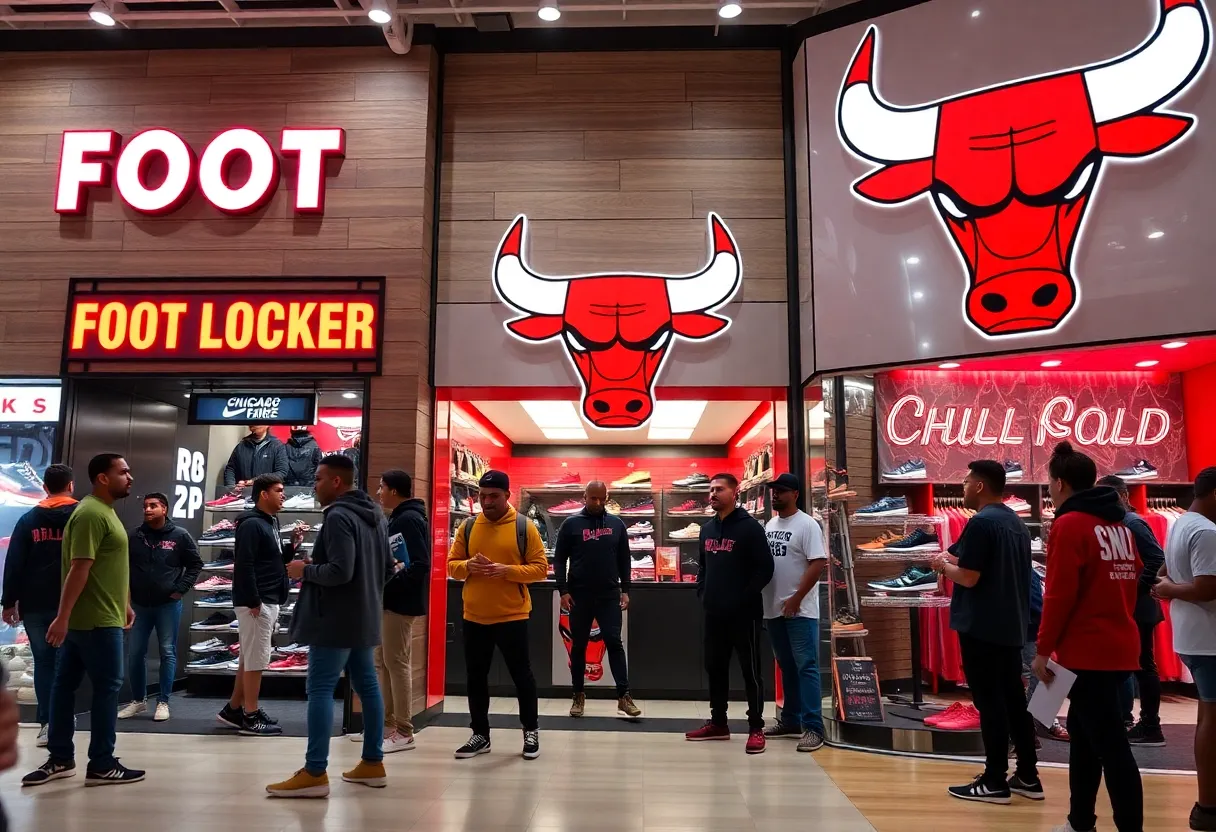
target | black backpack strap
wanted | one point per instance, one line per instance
(521, 537)
(466, 529)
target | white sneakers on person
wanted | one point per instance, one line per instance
(355, 737)
(396, 741)
(162, 712)
(42, 740)
(133, 709)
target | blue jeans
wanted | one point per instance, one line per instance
(796, 645)
(165, 619)
(97, 653)
(325, 666)
(36, 625)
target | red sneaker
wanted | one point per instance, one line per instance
(712, 731)
(967, 720)
(755, 742)
(569, 478)
(944, 716)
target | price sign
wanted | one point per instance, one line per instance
(857, 695)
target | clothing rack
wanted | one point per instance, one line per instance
(1163, 502)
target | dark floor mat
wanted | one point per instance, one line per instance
(589, 723)
(1178, 753)
(196, 715)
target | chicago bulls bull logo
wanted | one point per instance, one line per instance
(1011, 168)
(617, 328)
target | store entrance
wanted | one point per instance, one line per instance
(198, 441)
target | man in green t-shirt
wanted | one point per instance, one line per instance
(94, 609)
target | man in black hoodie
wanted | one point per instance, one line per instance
(405, 598)
(259, 589)
(258, 453)
(164, 566)
(303, 457)
(338, 617)
(735, 565)
(596, 546)
(31, 579)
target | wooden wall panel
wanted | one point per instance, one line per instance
(378, 207)
(616, 158)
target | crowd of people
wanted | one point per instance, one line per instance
(78, 580)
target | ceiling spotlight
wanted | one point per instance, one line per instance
(912, 261)
(1152, 362)
(187, 395)
(1156, 235)
(549, 11)
(918, 296)
(728, 9)
(378, 12)
(924, 345)
(1174, 345)
(1051, 363)
(949, 365)
(975, 13)
(349, 395)
(102, 14)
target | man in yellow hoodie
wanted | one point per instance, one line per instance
(497, 555)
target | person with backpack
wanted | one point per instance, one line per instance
(497, 554)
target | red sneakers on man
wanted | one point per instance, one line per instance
(711, 731)
(755, 742)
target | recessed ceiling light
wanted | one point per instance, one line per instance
(564, 434)
(918, 296)
(1052, 363)
(549, 11)
(378, 12)
(912, 261)
(924, 345)
(677, 414)
(1156, 235)
(1151, 362)
(1174, 345)
(949, 365)
(975, 12)
(669, 434)
(349, 395)
(102, 14)
(729, 10)
(551, 414)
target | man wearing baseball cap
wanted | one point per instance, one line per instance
(791, 610)
(497, 554)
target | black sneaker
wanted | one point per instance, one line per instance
(231, 717)
(1141, 470)
(982, 792)
(1145, 737)
(115, 776)
(52, 769)
(265, 717)
(913, 469)
(215, 621)
(210, 660)
(1202, 818)
(780, 729)
(1032, 789)
(477, 744)
(912, 579)
(531, 745)
(1013, 470)
(253, 726)
(918, 541)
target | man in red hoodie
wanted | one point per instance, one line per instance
(1088, 623)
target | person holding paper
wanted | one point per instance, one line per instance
(1190, 587)
(1088, 623)
(990, 609)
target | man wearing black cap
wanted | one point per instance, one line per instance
(791, 609)
(497, 554)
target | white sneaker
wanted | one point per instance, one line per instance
(398, 742)
(162, 712)
(1068, 827)
(355, 737)
(133, 709)
(42, 740)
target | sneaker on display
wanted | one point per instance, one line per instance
(612, 507)
(644, 562)
(215, 621)
(213, 583)
(222, 563)
(1017, 505)
(20, 485)
(912, 579)
(229, 502)
(531, 745)
(913, 469)
(567, 507)
(644, 527)
(636, 479)
(1141, 470)
(709, 731)
(953, 712)
(211, 645)
(644, 508)
(967, 719)
(918, 541)
(298, 525)
(690, 532)
(476, 744)
(689, 507)
(567, 479)
(845, 621)
(1013, 470)
(300, 502)
(982, 792)
(211, 661)
(885, 507)
(222, 598)
(879, 544)
(222, 532)
(642, 543)
(691, 481)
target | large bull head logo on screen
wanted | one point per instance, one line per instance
(618, 329)
(1011, 168)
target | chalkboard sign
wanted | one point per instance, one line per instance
(857, 696)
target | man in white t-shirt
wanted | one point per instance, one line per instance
(791, 608)
(1189, 585)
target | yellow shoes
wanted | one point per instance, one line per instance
(879, 543)
(634, 479)
(302, 784)
(369, 774)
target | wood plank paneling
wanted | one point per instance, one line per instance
(614, 88)
(186, 90)
(268, 117)
(283, 88)
(553, 146)
(385, 144)
(736, 115)
(582, 205)
(45, 66)
(669, 174)
(22, 150)
(684, 144)
(585, 115)
(204, 62)
(531, 176)
(599, 63)
(40, 93)
(392, 86)
(357, 115)
(358, 59)
(33, 118)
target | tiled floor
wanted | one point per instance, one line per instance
(653, 708)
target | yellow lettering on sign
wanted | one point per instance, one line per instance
(331, 322)
(238, 325)
(173, 314)
(84, 320)
(299, 332)
(360, 317)
(112, 327)
(270, 339)
(207, 341)
(145, 319)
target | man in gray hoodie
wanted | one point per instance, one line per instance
(338, 617)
